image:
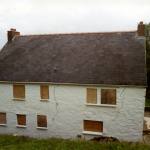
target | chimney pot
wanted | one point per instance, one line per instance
(11, 34)
(12, 29)
(141, 29)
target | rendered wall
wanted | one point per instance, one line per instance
(67, 109)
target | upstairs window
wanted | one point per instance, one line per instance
(42, 121)
(44, 90)
(92, 95)
(93, 126)
(21, 120)
(108, 96)
(2, 118)
(19, 91)
(103, 97)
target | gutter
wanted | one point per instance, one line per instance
(75, 84)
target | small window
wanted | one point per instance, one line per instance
(108, 96)
(2, 118)
(21, 120)
(41, 121)
(19, 91)
(94, 126)
(91, 95)
(44, 92)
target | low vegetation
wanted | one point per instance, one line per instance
(8, 142)
(147, 103)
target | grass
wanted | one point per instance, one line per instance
(147, 102)
(8, 142)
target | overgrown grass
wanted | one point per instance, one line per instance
(8, 142)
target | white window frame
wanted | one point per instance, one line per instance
(4, 124)
(99, 97)
(21, 126)
(92, 132)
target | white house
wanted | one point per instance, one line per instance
(71, 85)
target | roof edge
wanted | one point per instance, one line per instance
(76, 33)
(75, 84)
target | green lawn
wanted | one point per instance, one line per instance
(23, 143)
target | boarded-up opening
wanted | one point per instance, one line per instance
(2, 118)
(41, 121)
(108, 96)
(21, 119)
(19, 91)
(44, 91)
(94, 126)
(91, 95)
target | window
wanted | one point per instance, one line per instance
(19, 91)
(21, 120)
(94, 126)
(108, 96)
(44, 92)
(41, 121)
(91, 95)
(2, 118)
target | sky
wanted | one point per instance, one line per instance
(65, 16)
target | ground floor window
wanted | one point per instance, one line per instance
(21, 119)
(94, 126)
(42, 121)
(3, 118)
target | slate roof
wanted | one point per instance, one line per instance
(116, 58)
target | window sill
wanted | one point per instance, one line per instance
(44, 100)
(92, 133)
(101, 105)
(21, 126)
(42, 128)
(3, 125)
(18, 99)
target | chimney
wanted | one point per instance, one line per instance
(141, 29)
(11, 34)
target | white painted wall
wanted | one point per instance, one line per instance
(66, 111)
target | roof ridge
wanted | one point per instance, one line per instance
(78, 33)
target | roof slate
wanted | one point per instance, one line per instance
(87, 58)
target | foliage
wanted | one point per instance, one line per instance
(147, 30)
(8, 142)
(147, 102)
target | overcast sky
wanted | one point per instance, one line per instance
(55, 16)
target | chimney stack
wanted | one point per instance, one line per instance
(11, 34)
(141, 29)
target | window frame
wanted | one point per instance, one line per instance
(99, 104)
(41, 127)
(93, 132)
(44, 99)
(19, 98)
(109, 90)
(4, 124)
(87, 94)
(19, 125)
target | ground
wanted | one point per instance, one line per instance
(8, 142)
